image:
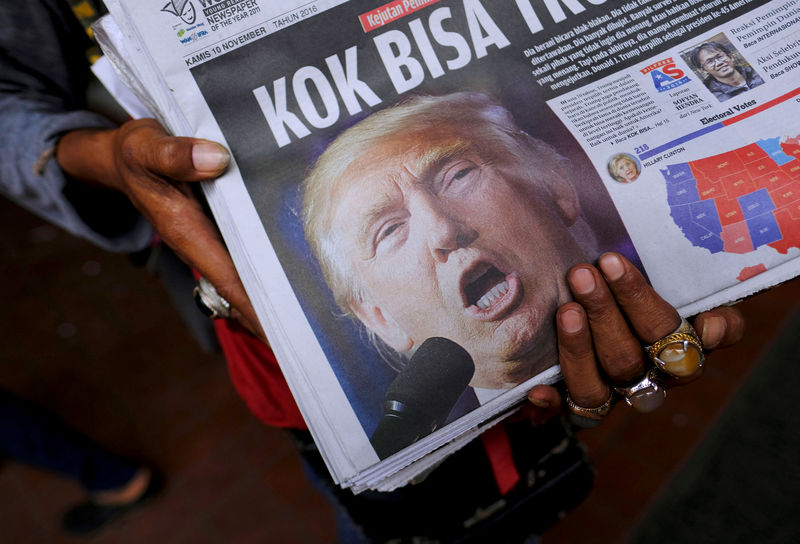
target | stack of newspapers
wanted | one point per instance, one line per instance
(411, 181)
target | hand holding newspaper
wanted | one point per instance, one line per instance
(416, 171)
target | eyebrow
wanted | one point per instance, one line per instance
(428, 164)
(433, 160)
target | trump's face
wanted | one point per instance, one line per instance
(447, 237)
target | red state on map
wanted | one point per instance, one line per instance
(792, 169)
(736, 238)
(791, 148)
(761, 167)
(724, 164)
(785, 195)
(699, 176)
(728, 210)
(790, 229)
(738, 184)
(750, 271)
(793, 209)
(751, 152)
(706, 187)
(773, 180)
(793, 140)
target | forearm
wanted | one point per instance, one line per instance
(31, 176)
(88, 155)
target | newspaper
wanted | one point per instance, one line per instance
(418, 169)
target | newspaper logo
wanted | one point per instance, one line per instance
(666, 75)
(222, 13)
(182, 9)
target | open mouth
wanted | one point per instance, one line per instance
(486, 289)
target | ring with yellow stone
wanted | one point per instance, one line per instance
(679, 354)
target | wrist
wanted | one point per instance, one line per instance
(88, 155)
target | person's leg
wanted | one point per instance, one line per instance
(33, 436)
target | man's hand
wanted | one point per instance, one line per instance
(153, 169)
(601, 335)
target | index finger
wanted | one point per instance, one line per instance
(197, 242)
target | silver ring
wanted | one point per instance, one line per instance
(209, 301)
(645, 395)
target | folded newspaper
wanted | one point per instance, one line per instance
(411, 181)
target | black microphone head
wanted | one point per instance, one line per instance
(433, 380)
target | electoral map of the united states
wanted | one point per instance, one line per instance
(740, 200)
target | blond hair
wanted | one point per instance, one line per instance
(480, 115)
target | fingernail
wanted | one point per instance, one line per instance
(209, 157)
(541, 403)
(713, 330)
(612, 266)
(582, 281)
(571, 321)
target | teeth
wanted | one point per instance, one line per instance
(496, 292)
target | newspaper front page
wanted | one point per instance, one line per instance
(419, 169)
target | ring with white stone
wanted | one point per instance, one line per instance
(209, 301)
(646, 395)
(680, 353)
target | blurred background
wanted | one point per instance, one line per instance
(96, 339)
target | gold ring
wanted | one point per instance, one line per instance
(596, 414)
(680, 353)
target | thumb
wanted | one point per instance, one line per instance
(144, 145)
(209, 159)
(186, 159)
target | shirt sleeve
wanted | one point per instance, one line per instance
(43, 80)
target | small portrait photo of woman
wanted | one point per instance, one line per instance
(624, 167)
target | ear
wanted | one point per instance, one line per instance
(383, 325)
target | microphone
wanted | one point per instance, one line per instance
(421, 397)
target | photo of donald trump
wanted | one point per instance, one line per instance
(440, 217)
